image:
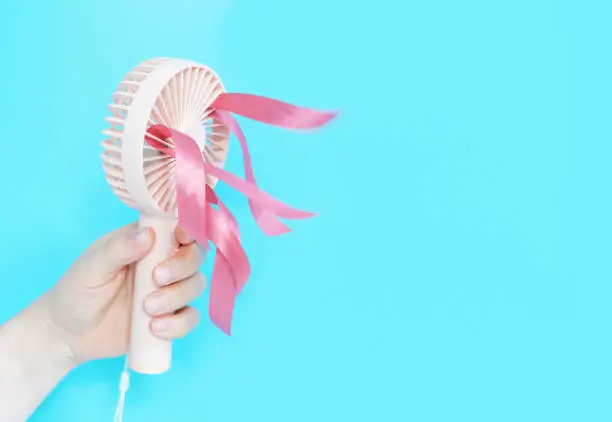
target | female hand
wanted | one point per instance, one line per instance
(91, 304)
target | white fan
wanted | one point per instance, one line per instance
(175, 93)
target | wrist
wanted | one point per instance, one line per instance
(34, 358)
(41, 339)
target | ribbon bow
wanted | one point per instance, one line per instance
(196, 213)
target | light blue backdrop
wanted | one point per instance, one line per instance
(460, 267)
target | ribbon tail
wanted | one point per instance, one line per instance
(231, 270)
(191, 196)
(213, 199)
(271, 111)
(224, 235)
(266, 220)
(253, 192)
(223, 293)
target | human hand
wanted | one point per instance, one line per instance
(91, 304)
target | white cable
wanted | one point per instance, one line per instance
(124, 386)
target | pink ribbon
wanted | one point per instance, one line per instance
(196, 213)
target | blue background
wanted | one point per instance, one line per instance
(460, 266)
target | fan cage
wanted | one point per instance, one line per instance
(182, 104)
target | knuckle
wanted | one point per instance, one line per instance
(200, 283)
(187, 320)
(193, 318)
(187, 291)
(196, 254)
(192, 289)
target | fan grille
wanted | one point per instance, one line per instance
(182, 104)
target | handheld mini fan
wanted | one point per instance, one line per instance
(167, 142)
(175, 93)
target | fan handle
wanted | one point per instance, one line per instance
(149, 354)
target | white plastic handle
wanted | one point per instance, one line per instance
(149, 354)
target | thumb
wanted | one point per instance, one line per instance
(123, 247)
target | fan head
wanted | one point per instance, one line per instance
(172, 92)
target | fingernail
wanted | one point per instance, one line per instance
(161, 325)
(163, 275)
(156, 304)
(142, 235)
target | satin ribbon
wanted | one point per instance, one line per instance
(196, 200)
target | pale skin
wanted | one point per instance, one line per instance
(86, 315)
